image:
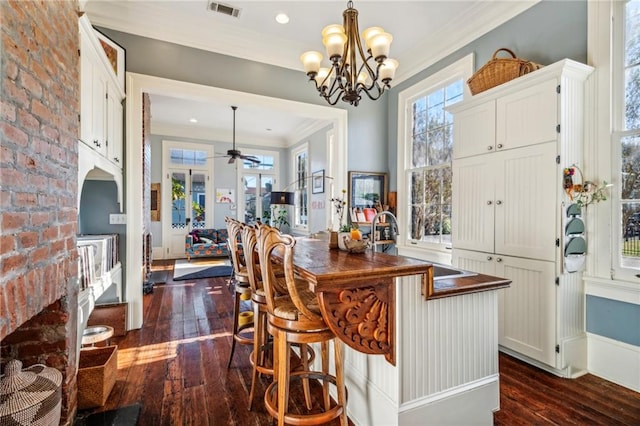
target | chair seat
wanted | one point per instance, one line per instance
(286, 309)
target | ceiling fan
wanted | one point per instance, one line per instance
(233, 153)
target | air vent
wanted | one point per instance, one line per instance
(224, 9)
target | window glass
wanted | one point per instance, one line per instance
(431, 155)
(187, 157)
(629, 139)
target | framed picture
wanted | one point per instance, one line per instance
(366, 189)
(155, 202)
(317, 182)
(225, 196)
(115, 55)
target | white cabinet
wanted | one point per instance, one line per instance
(501, 202)
(100, 98)
(511, 144)
(526, 310)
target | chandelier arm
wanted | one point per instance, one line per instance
(374, 97)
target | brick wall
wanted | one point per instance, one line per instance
(38, 185)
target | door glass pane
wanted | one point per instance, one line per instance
(187, 157)
(250, 185)
(178, 211)
(265, 196)
(198, 195)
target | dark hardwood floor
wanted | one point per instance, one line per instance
(175, 368)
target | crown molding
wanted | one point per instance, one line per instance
(212, 135)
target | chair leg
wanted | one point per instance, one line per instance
(304, 358)
(324, 348)
(257, 352)
(283, 373)
(236, 313)
(342, 398)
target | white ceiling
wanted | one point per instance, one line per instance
(424, 32)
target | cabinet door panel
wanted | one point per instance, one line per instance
(86, 93)
(472, 199)
(527, 309)
(474, 130)
(99, 106)
(525, 212)
(474, 261)
(114, 128)
(528, 116)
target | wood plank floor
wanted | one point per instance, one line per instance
(175, 367)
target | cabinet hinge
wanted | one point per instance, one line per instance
(558, 89)
(557, 242)
(558, 128)
(557, 159)
(106, 96)
(557, 349)
(557, 280)
(79, 119)
(79, 54)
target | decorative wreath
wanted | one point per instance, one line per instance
(584, 192)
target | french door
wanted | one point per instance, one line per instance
(256, 193)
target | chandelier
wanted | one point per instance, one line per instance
(346, 79)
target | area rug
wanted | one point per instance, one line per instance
(123, 416)
(200, 268)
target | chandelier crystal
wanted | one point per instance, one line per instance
(346, 78)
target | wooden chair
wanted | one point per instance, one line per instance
(294, 317)
(240, 282)
(260, 360)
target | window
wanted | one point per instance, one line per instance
(626, 131)
(257, 182)
(428, 148)
(301, 170)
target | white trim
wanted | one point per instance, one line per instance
(302, 148)
(137, 85)
(622, 291)
(614, 361)
(461, 69)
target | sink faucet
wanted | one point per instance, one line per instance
(373, 226)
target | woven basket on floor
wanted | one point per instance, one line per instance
(31, 396)
(500, 70)
(96, 375)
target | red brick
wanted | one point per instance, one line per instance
(42, 111)
(28, 122)
(40, 146)
(49, 133)
(38, 219)
(28, 239)
(5, 199)
(32, 85)
(25, 199)
(15, 262)
(7, 111)
(56, 247)
(26, 161)
(7, 155)
(7, 244)
(50, 233)
(38, 181)
(13, 221)
(38, 255)
(17, 95)
(11, 69)
(14, 135)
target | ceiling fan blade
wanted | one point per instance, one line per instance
(231, 160)
(250, 158)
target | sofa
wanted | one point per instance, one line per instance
(206, 243)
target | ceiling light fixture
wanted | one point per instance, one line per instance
(346, 79)
(282, 18)
(193, 120)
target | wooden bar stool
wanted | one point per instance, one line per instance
(261, 362)
(295, 317)
(241, 288)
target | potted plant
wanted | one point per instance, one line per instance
(280, 218)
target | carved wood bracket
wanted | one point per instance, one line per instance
(363, 316)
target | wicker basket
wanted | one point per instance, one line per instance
(96, 375)
(500, 70)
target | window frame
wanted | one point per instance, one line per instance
(461, 69)
(605, 53)
(299, 185)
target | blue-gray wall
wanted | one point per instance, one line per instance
(613, 319)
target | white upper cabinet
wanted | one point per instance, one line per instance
(101, 96)
(528, 116)
(474, 130)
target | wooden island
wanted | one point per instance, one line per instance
(438, 338)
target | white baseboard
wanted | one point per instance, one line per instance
(468, 406)
(615, 361)
(157, 253)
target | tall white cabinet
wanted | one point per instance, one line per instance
(511, 144)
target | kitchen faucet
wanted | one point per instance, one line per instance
(373, 226)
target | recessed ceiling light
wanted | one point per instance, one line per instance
(282, 18)
(268, 130)
(193, 120)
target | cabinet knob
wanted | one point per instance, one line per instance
(499, 259)
(489, 258)
(499, 145)
(116, 159)
(489, 148)
(489, 202)
(498, 202)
